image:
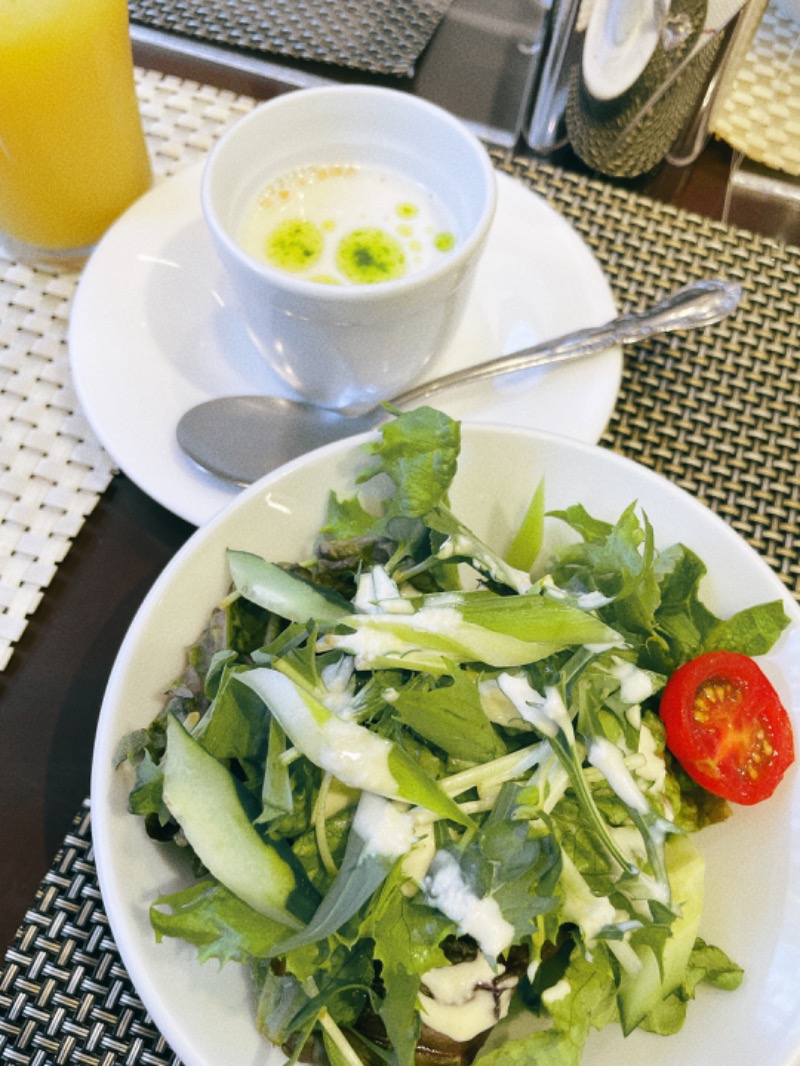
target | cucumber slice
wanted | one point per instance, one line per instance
(203, 797)
(640, 992)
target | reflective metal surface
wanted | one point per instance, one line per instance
(481, 64)
(241, 438)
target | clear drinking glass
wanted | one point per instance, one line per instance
(72, 149)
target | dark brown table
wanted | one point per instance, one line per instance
(51, 692)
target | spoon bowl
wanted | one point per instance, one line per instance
(241, 438)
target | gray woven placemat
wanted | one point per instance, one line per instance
(717, 412)
(379, 36)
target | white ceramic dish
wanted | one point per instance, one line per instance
(152, 333)
(753, 860)
(339, 345)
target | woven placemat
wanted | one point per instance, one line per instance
(371, 35)
(759, 114)
(52, 469)
(717, 412)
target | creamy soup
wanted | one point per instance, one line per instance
(345, 224)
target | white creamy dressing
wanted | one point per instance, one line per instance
(370, 642)
(546, 713)
(357, 757)
(560, 990)
(336, 677)
(417, 861)
(648, 761)
(497, 707)
(366, 644)
(585, 601)
(437, 620)
(386, 830)
(598, 649)
(482, 919)
(633, 715)
(465, 999)
(377, 593)
(456, 544)
(635, 684)
(591, 601)
(460, 545)
(610, 761)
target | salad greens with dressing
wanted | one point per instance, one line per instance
(425, 793)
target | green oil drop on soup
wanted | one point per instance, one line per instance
(368, 255)
(342, 224)
(294, 245)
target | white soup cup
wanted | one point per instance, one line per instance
(350, 345)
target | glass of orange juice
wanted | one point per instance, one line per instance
(72, 149)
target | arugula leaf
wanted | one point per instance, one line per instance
(654, 597)
(343, 990)
(690, 628)
(611, 559)
(549, 716)
(347, 519)
(508, 861)
(449, 715)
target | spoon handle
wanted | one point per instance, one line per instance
(699, 304)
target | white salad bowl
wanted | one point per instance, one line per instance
(207, 1014)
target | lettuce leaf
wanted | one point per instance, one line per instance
(217, 922)
(419, 452)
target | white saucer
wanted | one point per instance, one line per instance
(152, 333)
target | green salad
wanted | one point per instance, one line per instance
(422, 779)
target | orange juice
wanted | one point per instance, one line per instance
(72, 149)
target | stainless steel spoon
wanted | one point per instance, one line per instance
(241, 438)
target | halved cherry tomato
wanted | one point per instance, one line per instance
(727, 727)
